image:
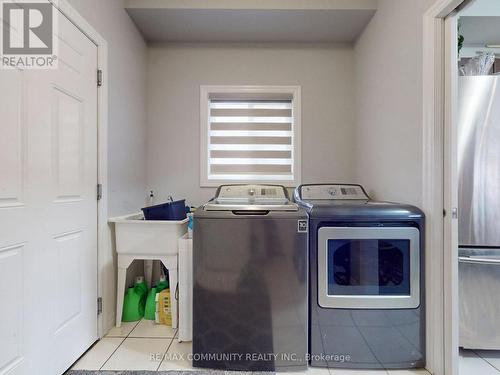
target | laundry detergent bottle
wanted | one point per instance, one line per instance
(133, 309)
(135, 301)
(162, 284)
(150, 310)
(163, 308)
(141, 284)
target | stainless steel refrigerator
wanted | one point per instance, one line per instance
(479, 211)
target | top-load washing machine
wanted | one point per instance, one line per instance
(366, 279)
(250, 281)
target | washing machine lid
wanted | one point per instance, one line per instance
(331, 192)
(251, 198)
(348, 202)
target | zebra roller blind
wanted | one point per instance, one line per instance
(251, 139)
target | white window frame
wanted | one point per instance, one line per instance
(205, 93)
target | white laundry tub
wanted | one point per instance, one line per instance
(134, 235)
(148, 240)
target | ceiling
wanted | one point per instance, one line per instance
(333, 21)
(481, 8)
(480, 30)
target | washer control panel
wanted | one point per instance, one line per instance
(332, 192)
(251, 193)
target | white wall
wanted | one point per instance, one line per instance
(127, 102)
(175, 73)
(126, 126)
(389, 101)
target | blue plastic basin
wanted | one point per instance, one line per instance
(175, 210)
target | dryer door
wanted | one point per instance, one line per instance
(368, 267)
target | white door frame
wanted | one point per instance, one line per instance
(103, 233)
(441, 276)
(441, 287)
(450, 183)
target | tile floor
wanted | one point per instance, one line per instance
(479, 362)
(144, 345)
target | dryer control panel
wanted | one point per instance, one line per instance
(332, 192)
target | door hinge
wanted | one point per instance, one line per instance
(454, 213)
(99, 192)
(99, 77)
(99, 305)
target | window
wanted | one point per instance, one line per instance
(250, 134)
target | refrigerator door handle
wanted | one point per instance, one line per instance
(476, 260)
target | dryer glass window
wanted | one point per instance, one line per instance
(372, 267)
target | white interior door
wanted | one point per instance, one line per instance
(451, 320)
(48, 210)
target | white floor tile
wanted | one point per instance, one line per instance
(315, 371)
(490, 356)
(138, 354)
(340, 371)
(177, 357)
(98, 354)
(148, 328)
(310, 371)
(408, 372)
(123, 331)
(471, 364)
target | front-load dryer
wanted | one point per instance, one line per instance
(366, 279)
(250, 281)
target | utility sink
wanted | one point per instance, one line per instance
(148, 240)
(137, 236)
